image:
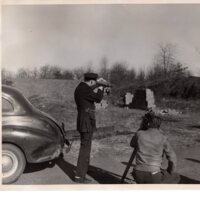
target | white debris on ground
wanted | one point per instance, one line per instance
(102, 105)
(166, 111)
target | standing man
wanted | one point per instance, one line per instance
(85, 97)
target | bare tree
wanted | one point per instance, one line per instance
(165, 57)
(198, 52)
(141, 77)
(78, 72)
(131, 75)
(44, 72)
(165, 64)
(68, 75)
(7, 77)
(104, 71)
(24, 73)
(88, 67)
(118, 74)
(55, 72)
(35, 73)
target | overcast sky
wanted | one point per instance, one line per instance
(74, 35)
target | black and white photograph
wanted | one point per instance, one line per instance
(100, 94)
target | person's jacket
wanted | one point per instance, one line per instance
(151, 145)
(85, 98)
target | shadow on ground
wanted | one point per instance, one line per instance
(34, 167)
(101, 176)
(194, 126)
(193, 160)
(67, 168)
(98, 174)
(186, 180)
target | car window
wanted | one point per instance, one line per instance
(6, 106)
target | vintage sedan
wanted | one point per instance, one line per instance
(28, 135)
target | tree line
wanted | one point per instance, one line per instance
(166, 76)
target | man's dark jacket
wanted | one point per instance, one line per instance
(85, 98)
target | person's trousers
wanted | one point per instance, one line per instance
(162, 177)
(84, 154)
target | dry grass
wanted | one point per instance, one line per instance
(56, 98)
(182, 105)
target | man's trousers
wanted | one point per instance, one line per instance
(84, 154)
(162, 177)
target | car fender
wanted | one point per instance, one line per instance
(37, 146)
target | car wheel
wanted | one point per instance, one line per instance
(13, 163)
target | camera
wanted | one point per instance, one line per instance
(105, 84)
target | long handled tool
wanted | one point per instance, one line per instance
(129, 165)
(143, 126)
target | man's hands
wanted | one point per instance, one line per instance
(98, 88)
(101, 82)
(102, 85)
(106, 90)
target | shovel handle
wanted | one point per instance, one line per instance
(129, 165)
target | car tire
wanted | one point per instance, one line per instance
(13, 163)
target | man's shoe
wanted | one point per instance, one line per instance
(82, 181)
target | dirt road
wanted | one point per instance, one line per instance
(108, 162)
(103, 170)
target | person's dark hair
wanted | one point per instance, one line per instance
(144, 124)
(155, 122)
(145, 120)
(149, 120)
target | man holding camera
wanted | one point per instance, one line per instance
(86, 94)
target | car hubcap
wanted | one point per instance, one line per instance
(9, 163)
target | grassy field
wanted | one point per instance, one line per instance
(56, 98)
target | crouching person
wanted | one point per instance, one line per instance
(151, 146)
